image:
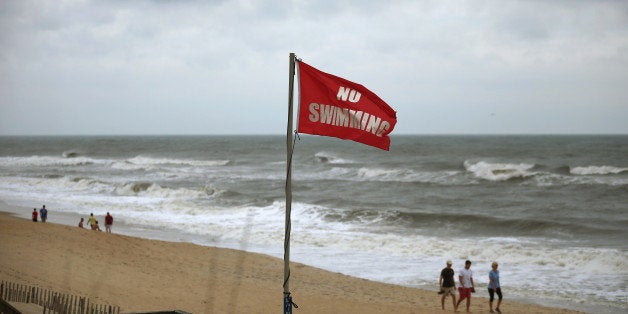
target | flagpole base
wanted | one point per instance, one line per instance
(287, 303)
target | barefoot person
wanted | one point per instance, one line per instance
(494, 287)
(466, 284)
(447, 285)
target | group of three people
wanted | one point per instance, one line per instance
(447, 285)
(93, 223)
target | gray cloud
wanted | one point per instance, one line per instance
(220, 67)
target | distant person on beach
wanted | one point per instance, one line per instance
(91, 221)
(447, 285)
(35, 214)
(466, 284)
(108, 222)
(43, 213)
(95, 226)
(494, 287)
(81, 223)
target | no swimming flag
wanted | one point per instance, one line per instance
(332, 106)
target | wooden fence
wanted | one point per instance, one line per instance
(53, 302)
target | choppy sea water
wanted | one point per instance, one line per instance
(552, 210)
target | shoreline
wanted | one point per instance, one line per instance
(141, 274)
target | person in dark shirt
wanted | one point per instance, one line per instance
(447, 285)
(108, 222)
(43, 213)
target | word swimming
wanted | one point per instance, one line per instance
(344, 117)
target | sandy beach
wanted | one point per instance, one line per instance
(149, 275)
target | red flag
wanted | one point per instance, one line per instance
(333, 106)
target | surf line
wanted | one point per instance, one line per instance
(347, 118)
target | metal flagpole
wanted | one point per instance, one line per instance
(287, 299)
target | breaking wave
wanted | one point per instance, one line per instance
(325, 157)
(597, 170)
(48, 161)
(141, 160)
(73, 158)
(499, 171)
(149, 189)
(70, 154)
(381, 173)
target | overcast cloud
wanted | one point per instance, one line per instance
(221, 67)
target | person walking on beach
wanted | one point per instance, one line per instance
(35, 214)
(80, 225)
(494, 287)
(91, 221)
(108, 222)
(43, 213)
(447, 285)
(466, 284)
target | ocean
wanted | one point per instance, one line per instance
(552, 210)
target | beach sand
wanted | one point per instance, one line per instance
(150, 275)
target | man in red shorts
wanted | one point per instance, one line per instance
(466, 284)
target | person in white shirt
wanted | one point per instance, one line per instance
(466, 284)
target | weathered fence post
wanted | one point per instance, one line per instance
(10, 296)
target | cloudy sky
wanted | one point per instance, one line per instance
(221, 67)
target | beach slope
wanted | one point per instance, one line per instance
(149, 275)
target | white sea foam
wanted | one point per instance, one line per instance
(552, 179)
(174, 165)
(311, 228)
(596, 170)
(410, 175)
(70, 188)
(143, 160)
(47, 161)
